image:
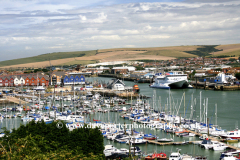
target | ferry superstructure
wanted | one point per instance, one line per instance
(173, 79)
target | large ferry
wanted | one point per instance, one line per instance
(173, 79)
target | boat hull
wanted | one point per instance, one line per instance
(174, 85)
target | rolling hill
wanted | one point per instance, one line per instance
(117, 54)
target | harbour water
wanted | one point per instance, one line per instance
(227, 115)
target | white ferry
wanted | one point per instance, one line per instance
(173, 79)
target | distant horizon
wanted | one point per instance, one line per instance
(32, 28)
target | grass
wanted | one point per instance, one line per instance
(160, 53)
(236, 53)
(168, 53)
(47, 57)
(79, 62)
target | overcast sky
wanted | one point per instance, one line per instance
(33, 27)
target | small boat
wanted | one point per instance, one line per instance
(175, 156)
(135, 150)
(232, 134)
(180, 143)
(227, 156)
(229, 140)
(187, 157)
(219, 147)
(136, 88)
(165, 140)
(156, 156)
(137, 141)
(189, 134)
(200, 158)
(95, 120)
(149, 137)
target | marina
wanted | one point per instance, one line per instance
(160, 102)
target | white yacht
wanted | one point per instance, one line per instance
(39, 88)
(173, 79)
(175, 156)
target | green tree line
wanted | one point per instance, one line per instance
(47, 141)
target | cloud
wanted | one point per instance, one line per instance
(38, 27)
(28, 48)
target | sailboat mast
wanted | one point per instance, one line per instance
(216, 114)
(184, 104)
(206, 108)
(170, 102)
(200, 106)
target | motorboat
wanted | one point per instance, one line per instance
(27, 118)
(45, 119)
(219, 147)
(187, 157)
(229, 140)
(208, 144)
(232, 134)
(135, 150)
(165, 140)
(227, 156)
(189, 134)
(175, 156)
(137, 141)
(111, 152)
(173, 79)
(149, 137)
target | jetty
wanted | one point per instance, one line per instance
(13, 100)
(190, 142)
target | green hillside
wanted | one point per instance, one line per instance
(114, 54)
(47, 57)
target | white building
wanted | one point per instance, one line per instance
(19, 80)
(116, 84)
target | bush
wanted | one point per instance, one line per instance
(41, 141)
(237, 75)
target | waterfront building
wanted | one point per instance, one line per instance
(19, 80)
(73, 79)
(116, 84)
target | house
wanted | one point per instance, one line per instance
(27, 81)
(10, 81)
(32, 81)
(1, 81)
(116, 84)
(5, 81)
(44, 80)
(74, 79)
(56, 77)
(18, 80)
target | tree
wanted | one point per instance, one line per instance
(41, 141)
(139, 68)
(237, 75)
(232, 59)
